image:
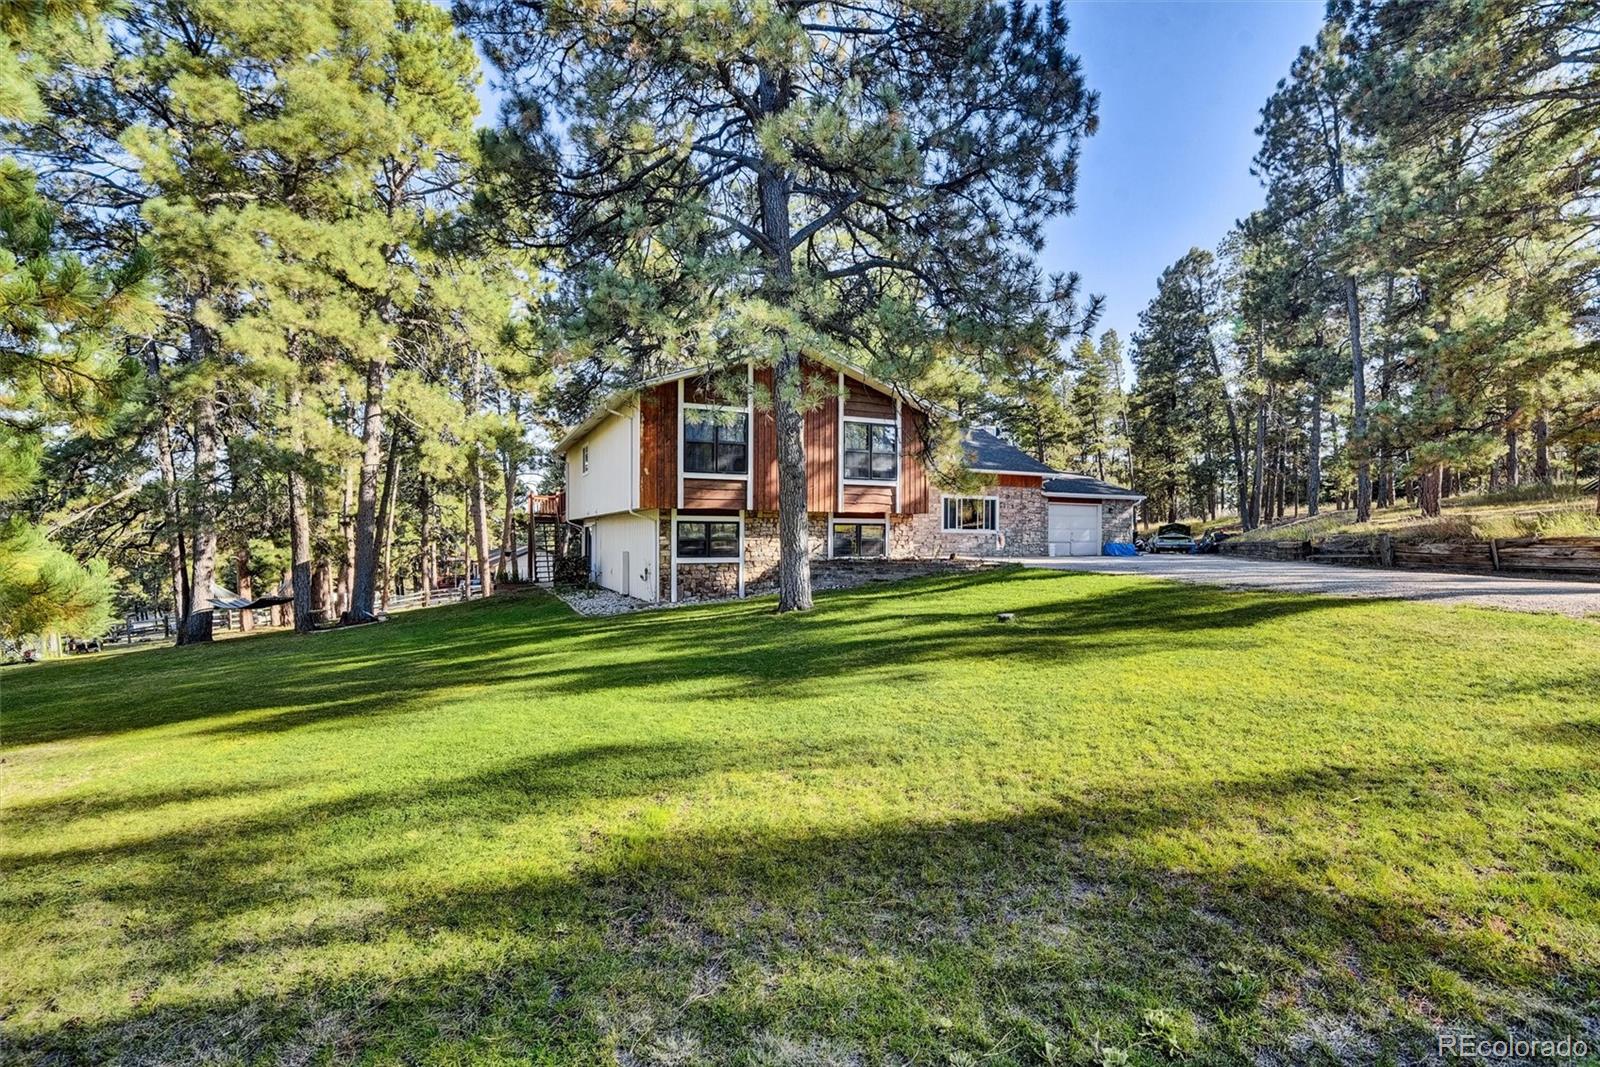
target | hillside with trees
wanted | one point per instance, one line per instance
(1414, 312)
(283, 312)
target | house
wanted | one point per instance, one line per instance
(676, 487)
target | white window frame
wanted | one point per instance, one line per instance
(583, 455)
(683, 441)
(680, 520)
(853, 520)
(960, 530)
(866, 421)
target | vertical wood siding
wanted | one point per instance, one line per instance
(658, 446)
(764, 471)
(1020, 481)
(822, 438)
(867, 500)
(865, 402)
(712, 494)
(914, 495)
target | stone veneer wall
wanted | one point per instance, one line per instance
(761, 548)
(1116, 520)
(708, 581)
(1023, 519)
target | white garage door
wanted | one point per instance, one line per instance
(1074, 529)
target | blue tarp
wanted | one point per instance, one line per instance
(1120, 548)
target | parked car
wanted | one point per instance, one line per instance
(1211, 540)
(1173, 537)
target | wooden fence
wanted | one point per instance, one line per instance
(1573, 556)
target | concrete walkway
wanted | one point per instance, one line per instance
(1577, 599)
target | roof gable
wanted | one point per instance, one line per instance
(621, 395)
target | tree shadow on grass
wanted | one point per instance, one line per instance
(993, 936)
(538, 649)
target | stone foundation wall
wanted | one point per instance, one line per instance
(761, 548)
(664, 563)
(707, 581)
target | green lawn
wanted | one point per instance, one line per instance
(1143, 822)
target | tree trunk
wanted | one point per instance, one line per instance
(1429, 490)
(247, 617)
(1513, 460)
(773, 187)
(508, 519)
(1257, 486)
(477, 505)
(425, 540)
(1234, 437)
(347, 570)
(1541, 450)
(480, 525)
(1314, 455)
(386, 510)
(299, 516)
(174, 520)
(322, 593)
(364, 569)
(1358, 395)
(197, 624)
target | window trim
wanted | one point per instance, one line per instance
(683, 441)
(707, 520)
(851, 520)
(845, 420)
(986, 531)
(583, 457)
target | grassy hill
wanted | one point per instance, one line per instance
(1142, 822)
(1543, 511)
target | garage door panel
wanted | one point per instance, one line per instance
(1074, 529)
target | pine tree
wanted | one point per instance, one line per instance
(1305, 161)
(763, 181)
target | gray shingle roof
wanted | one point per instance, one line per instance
(1083, 485)
(986, 451)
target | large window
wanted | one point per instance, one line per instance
(714, 441)
(870, 452)
(708, 540)
(971, 513)
(858, 539)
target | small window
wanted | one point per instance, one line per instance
(708, 540)
(714, 442)
(859, 540)
(586, 459)
(970, 513)
(870, 452)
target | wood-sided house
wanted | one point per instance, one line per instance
(677, 489)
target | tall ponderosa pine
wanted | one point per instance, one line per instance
(1306, 162)
(762, 180)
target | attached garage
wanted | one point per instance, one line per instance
(1085, 514)
(1074, 529)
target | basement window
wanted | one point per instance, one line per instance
(860, 540)
(707, 542)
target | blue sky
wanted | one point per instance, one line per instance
(1181, 86)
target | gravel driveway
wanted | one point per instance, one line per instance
(1514, 594)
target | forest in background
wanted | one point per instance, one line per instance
(277, 312)
(1414, 311)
